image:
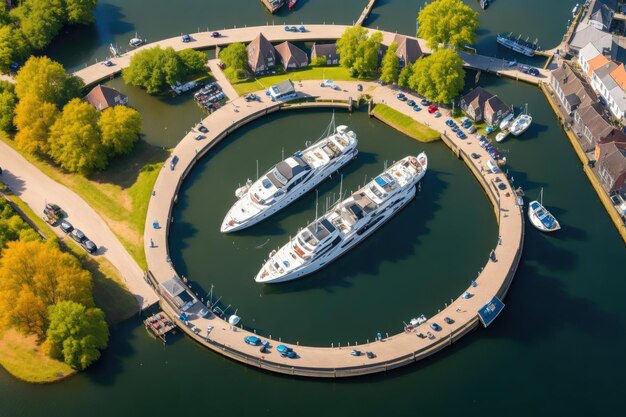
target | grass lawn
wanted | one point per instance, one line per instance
(308, 73)
(405, 124)
(21, 357)
(109, 290)
(120, 194)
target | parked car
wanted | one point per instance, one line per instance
(472, 129)
(203, 129)
(216, 35)
(78, 235)
(336, 87)
(54, 211)
(252, 340)
(450, 122)
(294, 29)
(474, 155)
(425, 102)
(411, 103)
(107, 63)
(370, 355)
(287, 29)
(66, 226)
(186, 38)
(435, 327)
(448, 320)
(89, 246)
(401, 97)
(359, 87)
(432, 108)
(437, 114)
(416, 108)
(199, 137)
(302, 29)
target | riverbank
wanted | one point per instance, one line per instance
(404, 124)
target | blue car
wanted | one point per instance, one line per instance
(411, 103)
(294, 29)
(290, 354)
(287, 29)
(450, 122)
(302, 29)
(416, 108)
(252, 340)
(283, 349)
(435, 327)
(426, 102)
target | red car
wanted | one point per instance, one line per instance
(432, 108)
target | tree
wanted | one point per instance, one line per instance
(154, 69)
(348, 45)
(235, 57)
(75, 139)
(390, 65)
(366, 61)
(33, 120)
(80, 11)
(405, 75)
(319, 61)
(40, 20)
(38, 271)
(193, 61)
(76, 334)
(447, 22)
(8, 100)
(47, 80)
(13, 47)
(438, 77)
(120, 127)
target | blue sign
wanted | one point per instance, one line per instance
(490, 311)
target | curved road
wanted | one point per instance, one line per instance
(394, 351)
(36, 188)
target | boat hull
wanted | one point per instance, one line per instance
(536, 221)
(344, 247)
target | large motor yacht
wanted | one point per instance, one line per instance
(346, 224)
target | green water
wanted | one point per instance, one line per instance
(557, 349)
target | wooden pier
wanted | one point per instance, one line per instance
(366, 12)
(159, 325)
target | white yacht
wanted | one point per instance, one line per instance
(506, 122)
(540, 217)
(290, 179)
(520, 124)
(346, 223)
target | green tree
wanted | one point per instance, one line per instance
(120, 127)
(438, 77)
(359, 53)
(13, 47)
(40, 20)
(33, 120)
(75, 142)
(319, 61)
(405, 75)
(390, 65)
(47, 80)
(235, 57)
(5, 19)
(8, 101)
(154, 69)
(447, 22)
(193, 61)
(76, 334)
(80, 11)
(348, 45)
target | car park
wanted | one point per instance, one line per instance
(78, 235)
(66, 226)
(89, 246)
(411, 103)
(435, 327)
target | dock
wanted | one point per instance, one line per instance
(273, 5)
(159, 325)
(366, 12)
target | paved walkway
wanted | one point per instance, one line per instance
(36, 188)
(397, 350)
(222, 80)
(203, 40)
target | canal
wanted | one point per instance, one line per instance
(556, 349)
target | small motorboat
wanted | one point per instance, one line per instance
(506, 122)
(540, 217)
(114, 51)
(135, 42)
(502, 135)
(292, 4)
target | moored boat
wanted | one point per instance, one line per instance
(506, 122)
(346, 224)
(540, 217)
(520, 124)
(290, 179)
(502, 135)
(517, 44)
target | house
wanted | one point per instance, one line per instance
(291, 56)
(609, 81)
(618, 49)
(408, 49)
(586, 34)
(595, 63)
(591, 126)
(601, 14)
(611, 166)
(328, 50)
(572, 91)
(586, 54)
(479, 105)
(261, 55)
(102, 97)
